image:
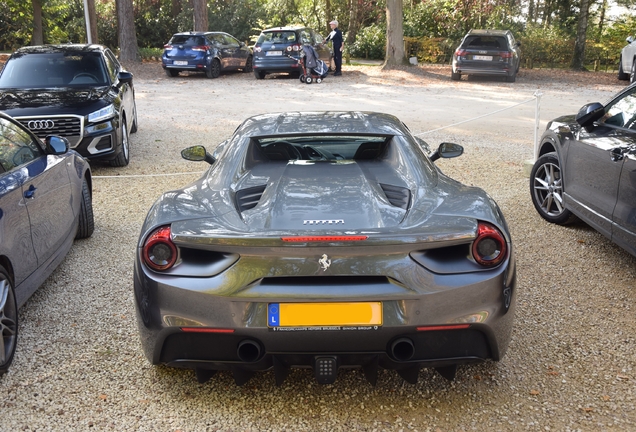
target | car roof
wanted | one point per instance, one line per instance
(481, 32)
(325, 122)
(286, 28)
(198, 33)
(39, 49)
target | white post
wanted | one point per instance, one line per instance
(537, 111)
(87, 17)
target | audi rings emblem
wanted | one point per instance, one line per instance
(40, 124)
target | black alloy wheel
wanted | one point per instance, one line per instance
(248, 65)
(86, 223)
(8, 321)
(546, 189)
(214, 70)
(123, 156)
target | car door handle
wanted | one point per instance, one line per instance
(30, 193)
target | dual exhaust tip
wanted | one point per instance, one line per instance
(401, 349)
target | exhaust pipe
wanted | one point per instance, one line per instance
(248, 350)
(402, 349)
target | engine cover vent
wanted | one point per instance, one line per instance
(397, 195)
(248, 198)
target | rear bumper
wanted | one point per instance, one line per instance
(276, 64)
(479, 68)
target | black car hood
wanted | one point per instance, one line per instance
(17, 102)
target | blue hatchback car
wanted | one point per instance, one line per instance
(209, 52)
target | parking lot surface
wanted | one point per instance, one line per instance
(571, 362)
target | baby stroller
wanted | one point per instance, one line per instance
(313, 69)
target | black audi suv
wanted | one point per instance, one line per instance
(79, 92)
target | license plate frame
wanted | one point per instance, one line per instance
(482, 57)
(273, 53)
(180, 62)
(324, 314)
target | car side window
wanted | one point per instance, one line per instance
(112, 65)
(318, 39)
(230, 41)
(16, 146)
(621, 113)
(305, 37)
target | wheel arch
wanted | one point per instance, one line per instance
(6, 263)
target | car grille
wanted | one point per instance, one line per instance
(69, 127)
(249, 198)
(397, 195)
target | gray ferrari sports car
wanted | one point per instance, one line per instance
(324, 240)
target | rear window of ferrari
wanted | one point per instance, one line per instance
(323, 147)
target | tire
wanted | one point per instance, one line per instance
(259, 74)
(172, 72)
(302, 78)
(512, 78)
(546, 190)
(86, 224)
(456, 76)
(308, 79)
(8, 321)
(135, 125)
(123, 157)
(248, 65)
(632, 75)
(622, 75)
(318, 80)
(214, 70)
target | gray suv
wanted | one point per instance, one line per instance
(487, 52)
(278, 50)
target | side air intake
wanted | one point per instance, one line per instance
(248, 198)
(397, 195)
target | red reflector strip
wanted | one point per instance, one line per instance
(205, 330)
(305, 239)
(444, 327)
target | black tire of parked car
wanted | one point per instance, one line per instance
(456, 76)
(511, 78)
(172, 72)
(546, 189)
(248, 65)
(622, 75)
(214, 70)
(135, 125)
(123, 157)
(86, 223)
(8, 321)
(259, 74)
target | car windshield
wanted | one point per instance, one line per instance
(323, 147)
(486, 42)
(187, 40)
(277, 37)
(59, 69)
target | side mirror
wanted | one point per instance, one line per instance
(56, 145)
(242, 44)
(629, 39)
(518, 44)
(125, 77)
(589, 113)
(447, 150)
(197, 153)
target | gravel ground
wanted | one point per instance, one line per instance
(571, 363)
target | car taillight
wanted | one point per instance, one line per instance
(295, 47)
(505, 54)
(461, 52)
(257, 49)
(489, 248)
(305, 239)
(200, 48)
(167, 46)
(159, 252)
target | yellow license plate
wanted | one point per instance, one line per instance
(324, 314)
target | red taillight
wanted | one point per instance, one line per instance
(444, 327)
(489, 248)
(505, 54)
(294, 47)
(257, 49)
(461, 52)
(200, 48)
(159, 253)
(304, 239)
(205, 330)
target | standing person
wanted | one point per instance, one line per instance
(336, 37)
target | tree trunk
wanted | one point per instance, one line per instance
(531, 11)
(328, 15)
(394, 54)
(601, 20)
(578, 59)
(128, 50)
(92, 17)
(352, 30)
(200, 15)
(38, 35)
(175, 8)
